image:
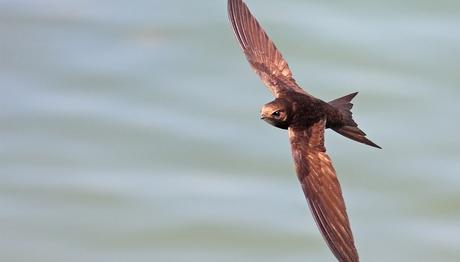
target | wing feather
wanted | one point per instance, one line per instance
(322, 190)
(260, 51)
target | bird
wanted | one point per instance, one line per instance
(305, 117)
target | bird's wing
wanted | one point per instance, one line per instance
(322, 190)
(260, 51)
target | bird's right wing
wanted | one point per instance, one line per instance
(260, 51)
(322, 190)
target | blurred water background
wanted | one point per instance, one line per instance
(130, 131)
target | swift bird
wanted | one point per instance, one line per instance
(305, 117)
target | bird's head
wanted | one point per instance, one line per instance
(277, 113)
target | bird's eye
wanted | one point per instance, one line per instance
(276, 113)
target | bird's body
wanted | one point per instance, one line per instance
(309, 109)
(305, 117)
(303, 110)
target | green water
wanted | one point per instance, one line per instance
(130, 131)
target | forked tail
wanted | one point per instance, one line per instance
(349, 128)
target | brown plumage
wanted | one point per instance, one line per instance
(322, 189)
(306, 117)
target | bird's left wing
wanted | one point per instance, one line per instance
(322, 190)
(260, 51)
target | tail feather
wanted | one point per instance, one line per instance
(344, 102)
(353, 129)
(356, 134)
(349, 128)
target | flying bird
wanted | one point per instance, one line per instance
(305, 117)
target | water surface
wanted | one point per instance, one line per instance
(130, 131)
